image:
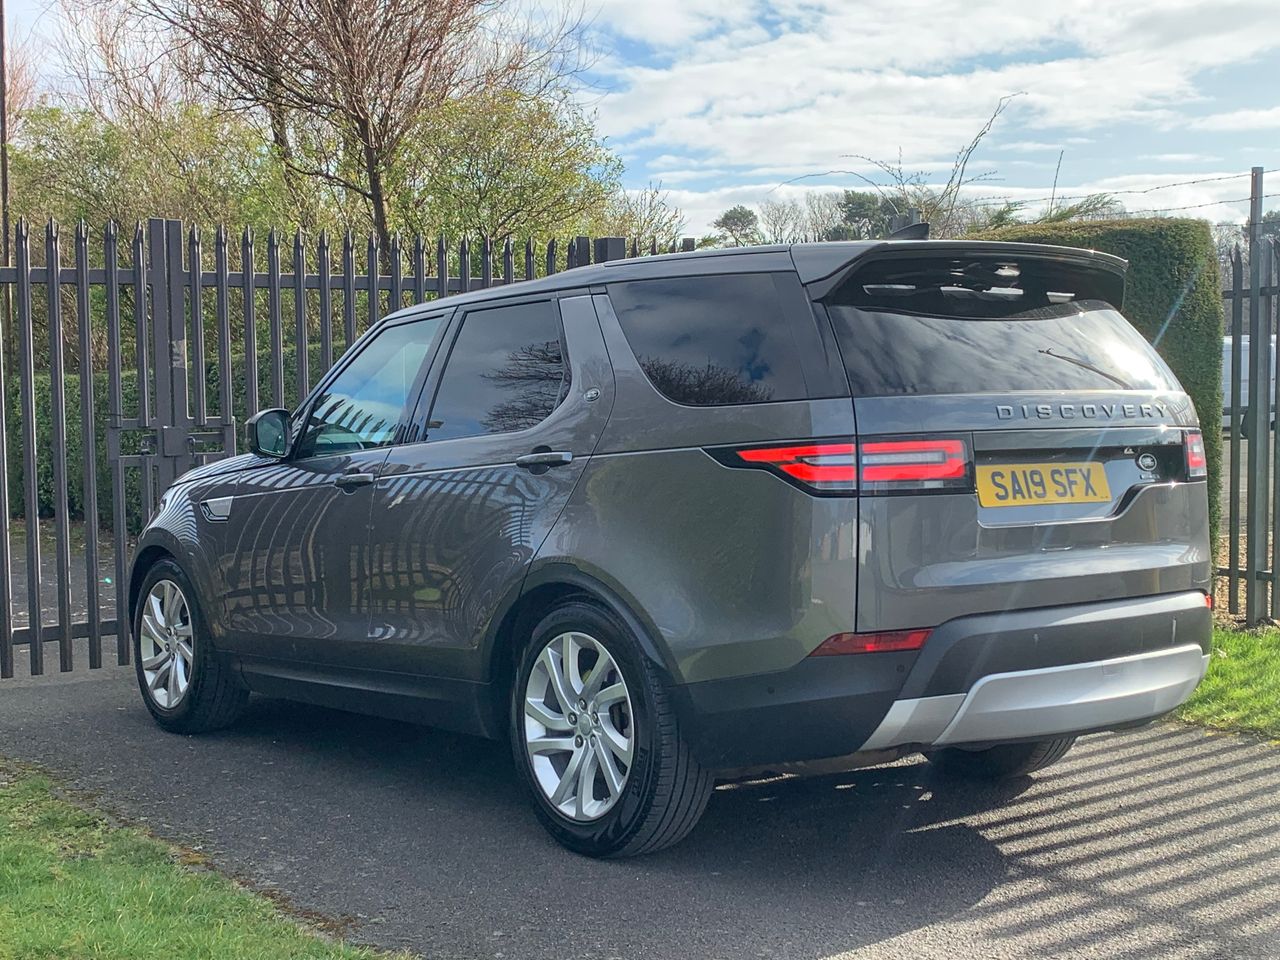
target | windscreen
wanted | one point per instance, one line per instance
(933, 325)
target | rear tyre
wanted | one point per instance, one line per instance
(185, 686)
(1002, 762)
(596, 738)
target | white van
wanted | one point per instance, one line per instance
(1244, 379)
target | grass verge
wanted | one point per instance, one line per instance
(73, 885)
(1242, 688)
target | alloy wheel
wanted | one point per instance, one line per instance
(166, 638)
(579, 726)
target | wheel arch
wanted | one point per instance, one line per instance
(544, 589)
(148, 555)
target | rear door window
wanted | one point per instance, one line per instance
(713, 340)
(506, 372)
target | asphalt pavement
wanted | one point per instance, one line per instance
(1164, 842)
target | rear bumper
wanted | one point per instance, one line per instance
(1029, 704)
(991, 677)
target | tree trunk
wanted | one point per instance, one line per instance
(303, 206)
(377, 198)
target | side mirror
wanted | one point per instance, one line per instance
(267, 433)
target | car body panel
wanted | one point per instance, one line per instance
(297, 568)
(456, 523)
(740, 573)
(928, 558)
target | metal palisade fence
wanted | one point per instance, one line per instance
(1251, 397)
(135, 361)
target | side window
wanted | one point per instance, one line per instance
(361, 408)
(506, 372)
(713, 340)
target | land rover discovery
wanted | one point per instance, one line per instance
(668, 519)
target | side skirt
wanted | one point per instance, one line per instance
(460, 705)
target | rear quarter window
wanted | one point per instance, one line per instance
(716, 340)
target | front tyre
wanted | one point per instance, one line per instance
(185, 686)
(596, 738)
(1001, 762)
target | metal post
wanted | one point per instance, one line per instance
(610, 248)
(4, 171)
(1258, 418)
(168, 332)
(1237, 370)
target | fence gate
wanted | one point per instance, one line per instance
(134, 361)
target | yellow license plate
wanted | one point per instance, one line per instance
(1026, 484)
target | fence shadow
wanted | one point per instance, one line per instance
(1151, 844)
(1161, 842)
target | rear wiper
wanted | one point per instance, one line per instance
(1088, 366)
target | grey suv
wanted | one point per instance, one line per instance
(664, 520)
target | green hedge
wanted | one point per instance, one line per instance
(131, 442)
(1173, 296)
(45, 446)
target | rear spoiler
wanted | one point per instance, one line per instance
(824, 267)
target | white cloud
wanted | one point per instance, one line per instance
(1027, 146)
(1240, 120)
(669, 23)
(1180, 157)
(731, 88)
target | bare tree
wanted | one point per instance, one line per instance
(644, 214)
(976, 216)
(343, 83)
(781, 221)
(823, 213)
(943, 207)
(123, 65)
(23, 83)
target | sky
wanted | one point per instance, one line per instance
(736, 101)
(729, 101)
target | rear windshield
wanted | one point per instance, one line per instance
(935, 326)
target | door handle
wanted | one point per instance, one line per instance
(349, 481)
(544, 458)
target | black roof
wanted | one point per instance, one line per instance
(812, 262)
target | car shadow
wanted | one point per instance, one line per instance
(833, 862)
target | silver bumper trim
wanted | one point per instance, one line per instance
(1049, 701)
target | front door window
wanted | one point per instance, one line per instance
(362, 407)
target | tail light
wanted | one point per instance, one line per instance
(823, 466)
(1197, 464)
(841, 644)
(879, 465)
(888, 465)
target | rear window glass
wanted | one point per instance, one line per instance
(988, 324)
(713, 340)
(1085, 346)
(976, 285)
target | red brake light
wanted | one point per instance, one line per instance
(894, 461)
(1197, 464)
(873, 466)
(830, 466)
(845, 643)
